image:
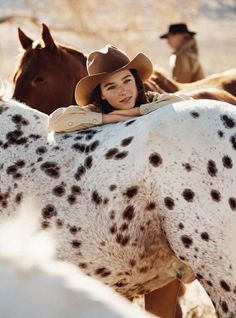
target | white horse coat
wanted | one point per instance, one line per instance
(134, 204)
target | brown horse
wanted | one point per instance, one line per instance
(47, 72)
(225, 80)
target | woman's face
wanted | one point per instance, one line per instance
(175, 40)
(120, 90)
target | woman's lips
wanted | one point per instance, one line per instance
(126, 100)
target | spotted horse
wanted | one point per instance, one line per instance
(135, 204)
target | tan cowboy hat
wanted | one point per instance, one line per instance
(104, 62)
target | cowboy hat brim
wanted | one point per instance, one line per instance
(85, 87)
(164, 36)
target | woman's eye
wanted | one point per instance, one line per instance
(110, 87)
(127, 81)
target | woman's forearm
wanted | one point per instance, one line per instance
(114, 118)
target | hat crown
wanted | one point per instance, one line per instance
(179, 27)
(108, 59)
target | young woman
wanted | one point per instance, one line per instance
(113, 91)
(184, 60)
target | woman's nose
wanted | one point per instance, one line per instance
(121, 90)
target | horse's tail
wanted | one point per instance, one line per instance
(5, 90)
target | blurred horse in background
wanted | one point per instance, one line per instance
(224, 81)
(47, 72)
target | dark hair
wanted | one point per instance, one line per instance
(107, 108)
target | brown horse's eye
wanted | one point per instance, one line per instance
(37, 80)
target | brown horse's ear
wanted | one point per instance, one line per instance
(47, 38)
(25, 41)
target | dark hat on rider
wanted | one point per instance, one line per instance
(104, 62)
(177, 28)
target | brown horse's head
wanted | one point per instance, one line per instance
(47, 73)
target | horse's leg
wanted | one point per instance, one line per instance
(208, 246)
(163, 302)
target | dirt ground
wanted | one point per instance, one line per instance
(196, 303)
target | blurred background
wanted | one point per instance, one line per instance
(132, 25)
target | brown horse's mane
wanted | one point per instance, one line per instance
(76, 53)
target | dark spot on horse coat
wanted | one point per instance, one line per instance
(102, 271)
(112, 187)
(155, 159)
(71, 199)
(41, 150)
(18, 198)
(124, 227)
(121, 155)
(132, 263)
(110, 153)
(224, 285)
(211, 168)
(188, 195)
(3, 109)
(227, 121)
(19, 119)
(128, 213)
(125, 142)
(20, 163)
(76, 190)
(215, 195)
(122, 239)
(73, 229)
(94, 145)
(66, 136)
(220, 133)
(187, 166)
(113, 229)
(80, 171)
(49, 211)
(59, 223)
(130, 122)
(51, 169)
(59, 190)
(76, 244)
(194, 114)
(227, 162)
(112, 214)
(233, 141)
(88, 162)
(45, 224)
(96, 198)
(83, 265)
(187, 241)
(232, 203)
(224, 307)
(14, 137)
(205, 236)
(151, 206)
(131, 192)
(169, 203)
(79, 147)
(181, 226)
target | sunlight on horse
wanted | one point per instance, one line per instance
(47, 73)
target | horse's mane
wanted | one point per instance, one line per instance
(77, 54)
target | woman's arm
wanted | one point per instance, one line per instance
(73, 118)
